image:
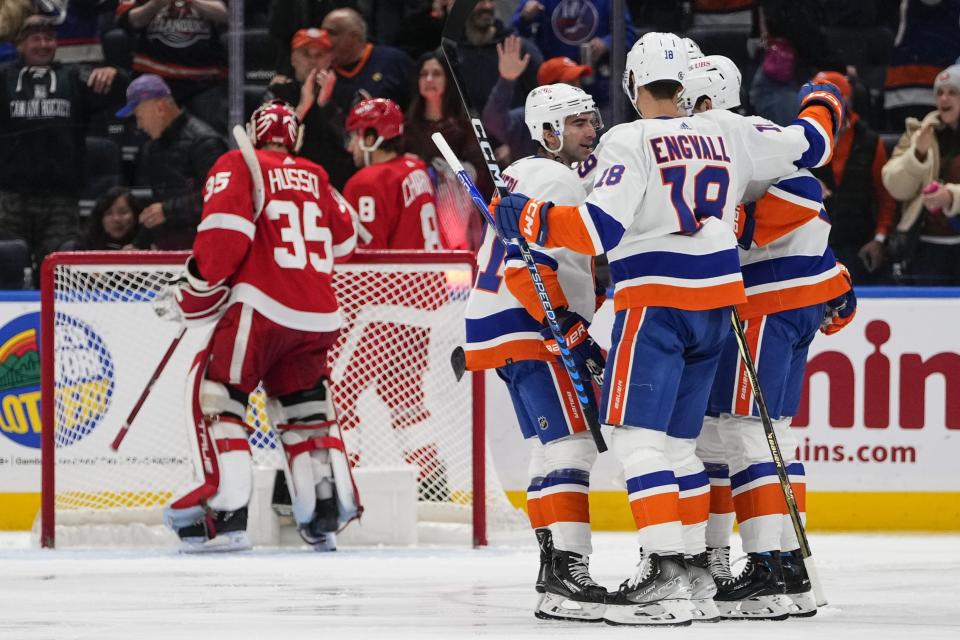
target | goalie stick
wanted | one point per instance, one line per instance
(777, 455)
(452, 29)
(249, 154)
(125, 427)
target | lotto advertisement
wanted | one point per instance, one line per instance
(878, 428)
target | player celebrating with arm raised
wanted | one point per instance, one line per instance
(506, 331)
(666, 186)
(262, 267)
(795, 287)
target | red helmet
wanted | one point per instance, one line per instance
(276, 122)
(380, 114)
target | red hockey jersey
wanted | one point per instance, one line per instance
(278, 260)
(396, 203)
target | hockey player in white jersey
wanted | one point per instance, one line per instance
(794, 287)
(506, 331)
(663, 208)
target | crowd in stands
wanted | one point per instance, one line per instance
(113, 111)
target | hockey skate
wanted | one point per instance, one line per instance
(658, 595)
(545, 542)
(569, 591)
(719, 563)
(802, 603)
(702, 588)
(320, 532)
(756, 593)
(229, 533)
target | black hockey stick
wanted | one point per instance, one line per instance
(452, 30)
(777, 456)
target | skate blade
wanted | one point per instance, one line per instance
(223, 543)
(800, 605)
(326, 543)
(758, 608)
(663, 613)
(705, 610)
(552, 606)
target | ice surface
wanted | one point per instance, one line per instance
(880, 586)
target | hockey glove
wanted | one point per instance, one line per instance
(586, 354)
(519, 216)
(191, 299)
(826, 95)
(840, 311)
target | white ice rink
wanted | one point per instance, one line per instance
(880, 586)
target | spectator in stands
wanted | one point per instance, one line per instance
(311, 90)
(924, 174)
(113, 223)
(795, 49)
(411, 25)
(860, 209)
(576, 30)
(508, 125)
(286, 17)
(927, 40)
(478, 54)
(173, 163)
(363, 69)
(727, 13)
(437, 107)
(44, 110)
(179, 40)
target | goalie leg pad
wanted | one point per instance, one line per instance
(318, 460)
(217, 398)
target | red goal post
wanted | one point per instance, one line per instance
(398, 400)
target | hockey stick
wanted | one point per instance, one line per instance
(259, 191)
(579, 382)
(125, 427)
(452, 29)
(777, 456)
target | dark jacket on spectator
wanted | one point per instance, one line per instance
(481, 67)
(43, 119)
(381, 72)
(175, 167)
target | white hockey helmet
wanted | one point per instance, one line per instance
(716, 77)
(551, 104)
(693, 49)
(655, 56)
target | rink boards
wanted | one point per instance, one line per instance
(879, 425)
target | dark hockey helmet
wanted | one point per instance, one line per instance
(380, 114)
(276, 122)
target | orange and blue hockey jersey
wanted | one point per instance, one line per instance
(664, 189)
(784, 256)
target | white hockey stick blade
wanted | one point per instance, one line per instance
(815, 583)
(447, 152)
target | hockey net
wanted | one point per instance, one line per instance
(398, 400)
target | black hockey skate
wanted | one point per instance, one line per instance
(321, 530)
(802, 602)
(658, 595)
(702, 588)
(545, 542)
(756, 593)
(224, 531)
(569, 591)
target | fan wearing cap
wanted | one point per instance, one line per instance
(173, 162)
(923, 173)
(180, 41)
(310, 89)
(860, 209)
(45, 107)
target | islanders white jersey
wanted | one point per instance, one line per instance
(503, 314)
(664, 202)
(784, 256)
